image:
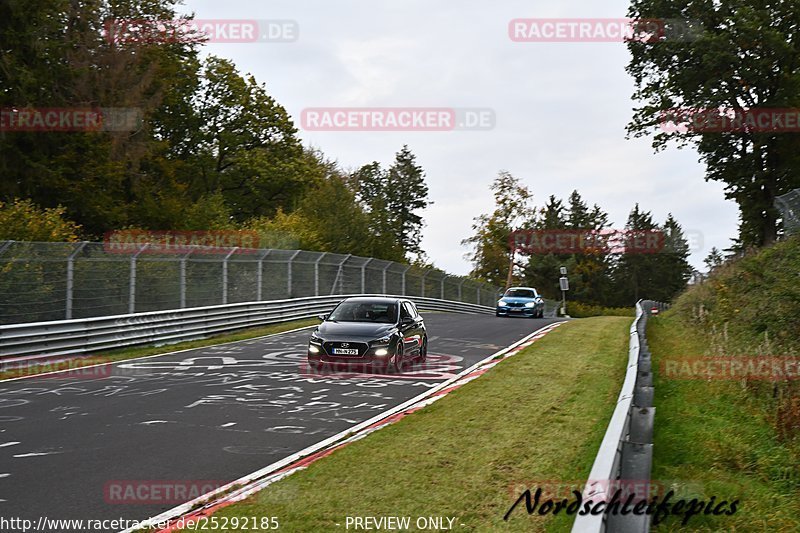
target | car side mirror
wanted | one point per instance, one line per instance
(323, 317)
(406, 321)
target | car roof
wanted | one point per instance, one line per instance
(527, 288)
(373, 299)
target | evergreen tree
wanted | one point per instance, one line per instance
(578, 214)
(392, 198)
(635, 273)
(714, 259)
(674, 269)
(590, 271)
(371, 185)
(552, 215)
(407, 194)
(541, 269)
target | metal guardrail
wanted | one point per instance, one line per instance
(626, 452)
(42, 340)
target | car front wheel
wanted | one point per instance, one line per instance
(395, 364)
(423, 350)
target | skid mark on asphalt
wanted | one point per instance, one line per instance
(166, 417)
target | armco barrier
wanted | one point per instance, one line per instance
(24, 342)
(626, 452)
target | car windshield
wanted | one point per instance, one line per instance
(520, 293)
(365, 312)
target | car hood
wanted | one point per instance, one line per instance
(517, 299)
(354, 329)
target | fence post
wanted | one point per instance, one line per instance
(404, 280)
(341, 270)
(289, 274)
(132, 280)
(384, 276)
(340, 276)
(225, 275)
(260, 273)
(460, 283)
(422, 285)
(442, 293)
(364, 275)
(70, 276)
(183, 278)
(316, 273)
(483, 287)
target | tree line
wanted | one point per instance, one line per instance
(606, 277)
(213, 149)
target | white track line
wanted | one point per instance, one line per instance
(213, 497)
(121, 361)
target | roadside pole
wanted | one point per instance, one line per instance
(564, 282)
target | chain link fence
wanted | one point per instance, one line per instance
(56, 281)
(789, 206)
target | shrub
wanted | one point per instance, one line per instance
(582, 310)
(22, 220)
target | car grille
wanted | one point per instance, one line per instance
(360, 346)
(516, 304)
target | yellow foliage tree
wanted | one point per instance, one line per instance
(286, 231)
(22, 220)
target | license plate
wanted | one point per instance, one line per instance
(345, 351)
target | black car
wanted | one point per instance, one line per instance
(371, 333)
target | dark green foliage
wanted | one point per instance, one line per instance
(213, 150)
(616, 277)
(392, 199)
(745, 56)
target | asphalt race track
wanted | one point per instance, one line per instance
(83, 446)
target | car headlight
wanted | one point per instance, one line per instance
(530, 304)
(501, 303)
(315, 338)
(382, 341)
(312, 349)
(380, 352)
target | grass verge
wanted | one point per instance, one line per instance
(143, 351)
(534, 419)
(714, 438)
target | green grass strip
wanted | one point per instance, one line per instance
(714, 438)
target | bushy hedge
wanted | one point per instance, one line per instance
(581, 310)
(22, 220)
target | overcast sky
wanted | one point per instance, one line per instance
(561, 108)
